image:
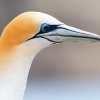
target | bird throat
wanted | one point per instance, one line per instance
(14, 69)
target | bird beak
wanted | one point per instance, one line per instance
(64, 33)
(67, 33)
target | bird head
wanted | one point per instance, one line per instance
(43, 29)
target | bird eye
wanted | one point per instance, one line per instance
(45, 28)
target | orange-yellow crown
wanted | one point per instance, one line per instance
(21, 29)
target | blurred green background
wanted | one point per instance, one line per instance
(65, 70)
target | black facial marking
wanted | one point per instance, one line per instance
(45, 28)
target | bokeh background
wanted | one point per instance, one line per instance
(68, 71)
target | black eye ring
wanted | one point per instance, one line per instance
(45, 28)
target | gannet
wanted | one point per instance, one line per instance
(22, 39)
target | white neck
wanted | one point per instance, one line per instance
(15, 69)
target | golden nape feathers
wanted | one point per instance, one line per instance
(20, 29)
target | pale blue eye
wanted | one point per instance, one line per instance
(45, 28)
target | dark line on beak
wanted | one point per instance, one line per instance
(76, 36)
(79, 37)
(69, 30)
